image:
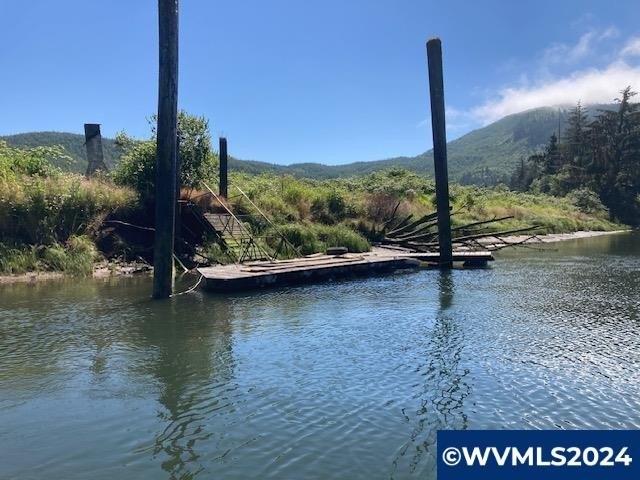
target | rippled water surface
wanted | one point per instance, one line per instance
(344, 380)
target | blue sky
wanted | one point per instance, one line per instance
(323, 81)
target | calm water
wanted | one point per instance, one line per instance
(344, 380)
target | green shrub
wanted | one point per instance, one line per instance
(77, 257)
(33, 161)
(342, 236)
(18, 260)
(198, 163)
(587, 201)
(45, 210)
(303, 237)
(310, 239)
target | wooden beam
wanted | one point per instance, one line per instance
(224, 164)
(93, 143)
(438, 127)
(165, 197)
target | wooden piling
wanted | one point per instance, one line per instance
(178, 221)
(224, 162)
(438, 127)
(93, 143)
(165, 197)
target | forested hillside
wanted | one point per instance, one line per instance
(596, 161)
(485, 156)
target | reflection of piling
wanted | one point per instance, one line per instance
(93, 142)
(165, 197)
(224, 162)
(438, 127)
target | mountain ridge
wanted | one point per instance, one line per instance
(484, 156)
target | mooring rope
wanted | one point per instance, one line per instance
(190, 289)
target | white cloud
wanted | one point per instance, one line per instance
(587, 86)
(631, 48)
(561, 53)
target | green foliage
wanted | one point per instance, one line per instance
(137, 169)
(597, 158)
(587, 201)
(76, 257)
(40, 205)
(342, 236)
(316, 238)
(18, 260)
(198, 163)
(214, 253)
(34, 161)
(303, 237)
(75, 158)
(43, 210)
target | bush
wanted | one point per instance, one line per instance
(198, 163)
(34, 161)
(310, 239)
(342, 236)
(37, 210)
(587, 201)
(329, 208)
(76, 257)
(302, 237)
(18, 260)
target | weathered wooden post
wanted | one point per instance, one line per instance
(166, 149)
(93, 143)
(178, 223)
(438, 127)
(224, 163)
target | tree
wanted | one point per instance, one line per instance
(197, 162)
(601, 156)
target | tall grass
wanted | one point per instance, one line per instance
(44, 210)
(76, 257)
(367, 202)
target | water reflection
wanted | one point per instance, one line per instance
(444, 387)
(193, 364)
(342, 380)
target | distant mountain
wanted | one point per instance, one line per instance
(73, 143)
(484, 156)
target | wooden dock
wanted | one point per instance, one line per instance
(317, 268)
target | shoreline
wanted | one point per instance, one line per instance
(105, 270)
(558, 237)
(101, 270)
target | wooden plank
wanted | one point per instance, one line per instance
(259, 274)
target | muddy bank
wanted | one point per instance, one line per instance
(100, 270)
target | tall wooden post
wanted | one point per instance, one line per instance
(178, 222)
(93, 143)
(224, 162)
(438, 127)
(166, 149)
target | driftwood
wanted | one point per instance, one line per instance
(422, 234)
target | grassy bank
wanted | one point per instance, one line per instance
(49, 219)
(364, 204)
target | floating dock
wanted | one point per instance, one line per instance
(317, 268)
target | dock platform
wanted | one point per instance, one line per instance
(317, 268)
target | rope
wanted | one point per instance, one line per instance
(190, 289)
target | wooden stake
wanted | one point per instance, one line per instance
(93, 143)
(222, 154)
(166, 149)
(438, 127)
